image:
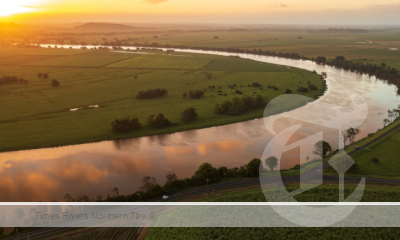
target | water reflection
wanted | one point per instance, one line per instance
(92, 169)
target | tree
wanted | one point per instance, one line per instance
(385, 122)
(184, 95)
(115, 191)
(125, 124)
(390, 115)
(322, 148)
(253, 168)
(209, 75)
(271, 162)
(148, 183)
(159, 122)
(68, 198)
(171, 177)
(189, 114)
(343, 136)
(351, 134)
(223, 171)
(206, 171)
(340, 58)
(45, 75)
(55, 83)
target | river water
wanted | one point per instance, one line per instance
(95, 168)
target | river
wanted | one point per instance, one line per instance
(95, 168)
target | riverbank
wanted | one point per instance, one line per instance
(37, 115)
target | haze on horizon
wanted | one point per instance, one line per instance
(357, 12)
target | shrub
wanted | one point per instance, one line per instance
(238, 92)
(288, 91)
(189, 114)
(255, 84)
(125, 124)
(159, 122)
(312, 87)
(45, 75)
(55, 83)
(209, 75)
(39, 75)
(196, 94)
(151, 93)
(374, 160)
(302, 89)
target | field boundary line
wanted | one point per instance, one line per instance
(118, 61)
(208, 64)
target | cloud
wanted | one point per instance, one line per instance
(155, 1)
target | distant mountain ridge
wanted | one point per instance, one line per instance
(105, 26)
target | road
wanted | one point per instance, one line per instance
(310, 175)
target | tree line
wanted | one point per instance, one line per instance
(381, 71)
(239, 106)
(12, 79)
(127, 124)
(205, 174)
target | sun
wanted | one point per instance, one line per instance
(10, 7)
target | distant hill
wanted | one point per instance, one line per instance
(105, 27)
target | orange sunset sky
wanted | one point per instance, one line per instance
(224, 11)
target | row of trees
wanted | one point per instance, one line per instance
(239, 106)
(392, 115)
(12, 79)
(151, 93)
(127, 124)
(349, 134)
(381, 71)
(205, 173)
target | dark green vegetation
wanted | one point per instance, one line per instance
(12, 80)
(239, 106)
(381, 70)
(151, 93)
(205, 174)
(382, 159)
(125, 125)
(272, 233)
(322, 193)
(325, 193)
(43, 117)
(189, 114)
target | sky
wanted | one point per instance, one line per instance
(203, 11)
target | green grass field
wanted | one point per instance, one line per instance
(323, 193)
(244, 65)
(37, 115)
(164, 61)
(92, 59)
(386, 150)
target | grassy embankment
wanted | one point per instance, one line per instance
(386, 150)
(324, 193)
(37, 115)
